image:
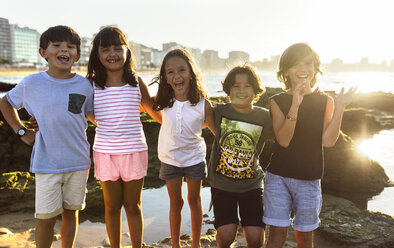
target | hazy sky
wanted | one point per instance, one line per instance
(347, 29)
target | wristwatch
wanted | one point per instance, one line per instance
(21, 132)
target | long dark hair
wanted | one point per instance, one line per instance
(110, 36)
(165, 93)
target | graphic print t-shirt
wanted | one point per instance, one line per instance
(234, 161)
(238, 141)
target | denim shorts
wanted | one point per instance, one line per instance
(282, 195)
(194, 172)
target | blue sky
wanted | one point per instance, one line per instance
(347, 29)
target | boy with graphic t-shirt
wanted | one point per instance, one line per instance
(58, 100)
(234, 172)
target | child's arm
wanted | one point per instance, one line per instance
(91, 118)
(284, 126)
(209, 121)
(11, 116)
(333, 116)
(147, 101)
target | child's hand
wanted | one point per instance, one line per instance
(33, 123)
(320, 92)
(299, 92)
(345, 99)
(29, 137)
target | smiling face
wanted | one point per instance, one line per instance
(303, 72)
(242, 93)
(177, 73)
(112, 57)
(61, 55)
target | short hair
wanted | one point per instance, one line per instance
(60, 33)
(253, 79)
(293, 55)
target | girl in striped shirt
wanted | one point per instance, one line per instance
(120, 152)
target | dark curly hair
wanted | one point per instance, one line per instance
(253, 79)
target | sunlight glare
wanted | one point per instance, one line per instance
(370, 147)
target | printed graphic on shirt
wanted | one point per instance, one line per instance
(238, 141)
(75, 102)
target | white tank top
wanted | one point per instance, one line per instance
(119, 128)
(180, 142)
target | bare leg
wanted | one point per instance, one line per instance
(225, 235)
(277, 237)
(132, 205)
(174, 188)
(254, 236)
(113, 200)
(69, 227)
(44, 232)
(304, 239)
(194, 199)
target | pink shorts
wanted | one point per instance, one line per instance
(128, 167)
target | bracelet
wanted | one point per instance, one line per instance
(290, 118)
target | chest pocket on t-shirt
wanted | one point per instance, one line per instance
(75, 102)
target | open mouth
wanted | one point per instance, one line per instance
(178, 85)
(63, 58)
(112, 60)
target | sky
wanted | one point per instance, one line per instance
(345, 29)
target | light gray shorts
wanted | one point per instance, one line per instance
(282, 195)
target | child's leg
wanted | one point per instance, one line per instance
(174, 188)
(132, 205)
(69, 227)
(304, 239)
(277, 237)
(194, 200)
(225, 235)
(254, 236)
(113, 200)
(44, 232)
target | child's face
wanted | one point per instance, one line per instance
(178, 75)
(61, 55)
(302, 72)
(112, 57)
(241, 92)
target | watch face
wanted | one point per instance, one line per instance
(21, 132)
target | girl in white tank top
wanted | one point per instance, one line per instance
(185, 111)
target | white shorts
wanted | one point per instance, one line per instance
(55, 192)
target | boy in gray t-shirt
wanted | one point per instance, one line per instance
(234, 172)
(59, 101)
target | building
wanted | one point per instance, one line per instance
(24, 46)
(5, 41)
(86, 47)
(237, 58)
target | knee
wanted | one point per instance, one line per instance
(194, 202)
(133, 208)
(113, 207)
(225, 238)
(176, 204)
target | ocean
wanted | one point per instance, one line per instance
(378, 147)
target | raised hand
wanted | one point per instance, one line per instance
(299, 91)
(345, 98)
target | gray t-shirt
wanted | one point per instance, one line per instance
(234, 163)
(59, 106)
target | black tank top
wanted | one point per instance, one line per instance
(303, 158)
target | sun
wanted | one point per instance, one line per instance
(369, 147)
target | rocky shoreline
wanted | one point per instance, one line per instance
(343, 224)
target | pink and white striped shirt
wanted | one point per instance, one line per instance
(117, 113)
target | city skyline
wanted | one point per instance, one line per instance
(348, 30)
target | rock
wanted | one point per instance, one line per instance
(56, 237)
(347, 170)
(4, 230)
(342, 221)
(106, 242)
